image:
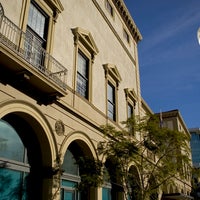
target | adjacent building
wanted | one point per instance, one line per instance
(195, 146)
(173, 120)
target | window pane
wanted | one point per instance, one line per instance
(111, 101)
(69, 164)
(109, 8)
(12, 185)
(82, 75)
(82, 65)
(111, 110)
(106, 193)
(36, 20)
(81, 85)
(11, 146)
(110, 93)
(68, 195)
(130, 110)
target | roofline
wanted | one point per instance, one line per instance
(126, 16)
(174, 113)
(196, 130)
(144, 103)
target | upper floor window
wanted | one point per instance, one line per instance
(111, 101)
(130, 110)
(126, 36)
(82, 75)
(112, 78)
(85, 51)
(131, 99)
(36, 35)
(109, 8)
(41, 17)
(37, 21)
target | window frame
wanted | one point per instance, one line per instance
(131, 100)
(46, 21)
(36, 41)
(52, 9)
(84, 42)
(69, 178)
(112, 77)
(112, 102)
(131, 108)
(86, 76)
(126, 36)
(12, 165)
(109, 8)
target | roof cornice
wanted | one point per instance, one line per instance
(126, 16)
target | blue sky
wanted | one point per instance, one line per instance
(169, 55)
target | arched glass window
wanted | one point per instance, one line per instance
(106, 190)
(70, 178)
(11, 146)
(13, 165)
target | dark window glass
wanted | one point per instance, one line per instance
(109, 8)
(126, 36)
(111, 101)
(130, 110)
(106, 193)
(11, 146)
(69, 164)
(82, 75)
(12, 175)
(12, 184)
(71, 170)
(36, 20)
(36, 35)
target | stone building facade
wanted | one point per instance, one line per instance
(66, 67)
(182, 188)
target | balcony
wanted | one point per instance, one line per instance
(26, 66)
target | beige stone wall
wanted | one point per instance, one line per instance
(13, 10)
(110, 50)
(81, 118)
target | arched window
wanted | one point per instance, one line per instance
(106, 189)
(14, 167)
(70, 178)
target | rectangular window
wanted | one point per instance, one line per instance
(109, 8)
(126, 35)
(130, 110)
(36, 35)
(111, 102)
(37, 20)
(82, 75)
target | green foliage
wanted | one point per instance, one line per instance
(90, 172)
(160, 156)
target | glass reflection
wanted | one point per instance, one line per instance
(11, 146)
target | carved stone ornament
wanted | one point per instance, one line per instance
(59, 127)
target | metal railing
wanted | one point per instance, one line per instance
(28, 46)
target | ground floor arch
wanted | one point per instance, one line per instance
(135, 183)
(78, 151)
(29, 161)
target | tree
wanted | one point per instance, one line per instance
(158, 157)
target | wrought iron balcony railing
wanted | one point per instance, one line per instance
(28, 46)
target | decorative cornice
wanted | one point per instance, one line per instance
(112, 71)
(86, 38)
(56, 6)
(130, 92)
(126, 16)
